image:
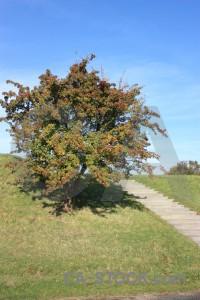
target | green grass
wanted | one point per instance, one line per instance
(183, 188)
(37, 248)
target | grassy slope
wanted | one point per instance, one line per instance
(37, 248)
(182, 188)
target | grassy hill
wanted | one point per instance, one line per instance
(37, 248)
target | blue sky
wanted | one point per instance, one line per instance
(156, 43)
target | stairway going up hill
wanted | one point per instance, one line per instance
(183, 219)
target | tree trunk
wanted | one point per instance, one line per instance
(77, 180)
(68, 204)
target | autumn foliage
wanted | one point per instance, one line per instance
(185, 168)
(81, 122)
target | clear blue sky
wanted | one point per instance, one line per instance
(157, 43)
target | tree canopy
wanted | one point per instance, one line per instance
(185, 168)
(77, 123)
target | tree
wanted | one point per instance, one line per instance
(81, 122)
(185, 168)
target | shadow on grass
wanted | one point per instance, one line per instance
(100, 200)
(89, 194)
